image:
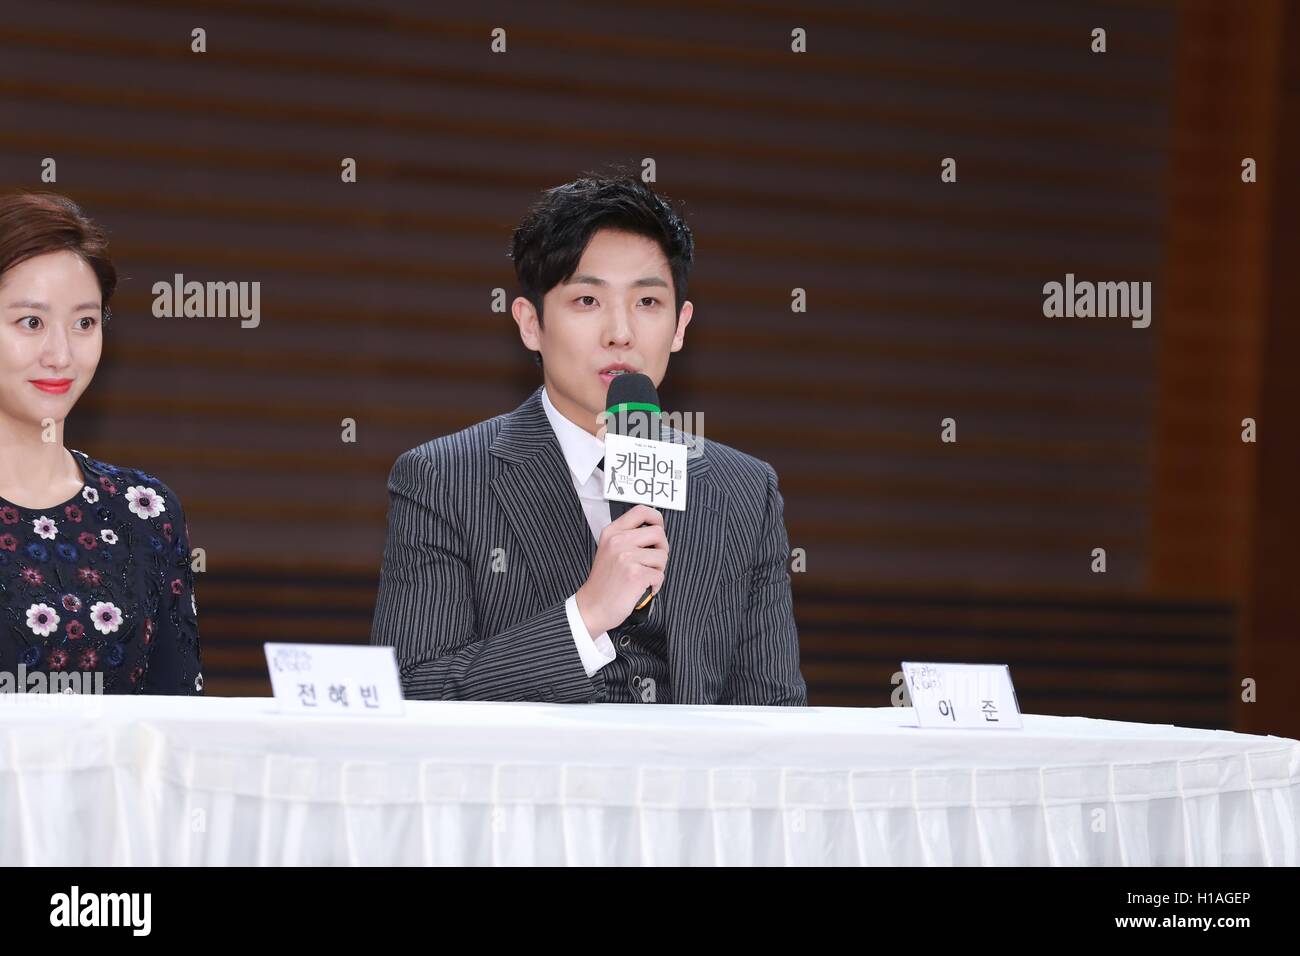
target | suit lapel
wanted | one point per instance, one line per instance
(695, 538)
(535, 490)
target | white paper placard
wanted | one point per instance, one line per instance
(970, 696)
(645, 471)
(338, 680)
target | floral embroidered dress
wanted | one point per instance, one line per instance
(101, 582)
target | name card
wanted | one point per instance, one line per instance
(971, 696)
(338, 680)
(645, 472)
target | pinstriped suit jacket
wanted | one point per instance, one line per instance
(487, 540)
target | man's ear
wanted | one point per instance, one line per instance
(525, 317)
(683, 320)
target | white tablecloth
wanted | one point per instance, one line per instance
(141, 781)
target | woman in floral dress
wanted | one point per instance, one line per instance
(95, 577)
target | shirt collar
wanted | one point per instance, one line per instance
(582, 450)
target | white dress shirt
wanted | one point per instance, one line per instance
(583, 452)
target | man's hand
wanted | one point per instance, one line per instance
(629, 559)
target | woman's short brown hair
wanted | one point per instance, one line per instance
(34, 223)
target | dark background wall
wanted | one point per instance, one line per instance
(818, 171)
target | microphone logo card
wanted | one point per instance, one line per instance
(645, 472)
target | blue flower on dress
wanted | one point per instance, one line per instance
(67, 552)
(31, 656)
(36, 551)
(115, 656)
(155, 542)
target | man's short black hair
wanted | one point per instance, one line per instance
(551, 238)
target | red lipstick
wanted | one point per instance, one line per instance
(55, 386)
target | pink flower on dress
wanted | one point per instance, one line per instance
(75, 630)
(73, 513)
(88, 659)
(8, 542)
(44, 527)
(177, 587)
(90, 494)
(88, 576)
(42, 619)
(58, 659)
(105, 616)
(87, 540)
(148, 631)
(107, 485)
(71, 603)
(108, 536)
(8, 515)
(144, 502)
(33, 577)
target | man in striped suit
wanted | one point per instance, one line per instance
(503, 576)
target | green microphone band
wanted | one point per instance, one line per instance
(633, 407)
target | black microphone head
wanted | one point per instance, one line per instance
(632, 406)
(631, 387)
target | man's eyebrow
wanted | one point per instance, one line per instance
(594, 280)
(45, 307)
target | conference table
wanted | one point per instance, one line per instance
(147, 781)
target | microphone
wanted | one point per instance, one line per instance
(632, 408)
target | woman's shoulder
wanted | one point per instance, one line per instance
(119, 480)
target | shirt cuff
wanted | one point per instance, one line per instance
(596, 653)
